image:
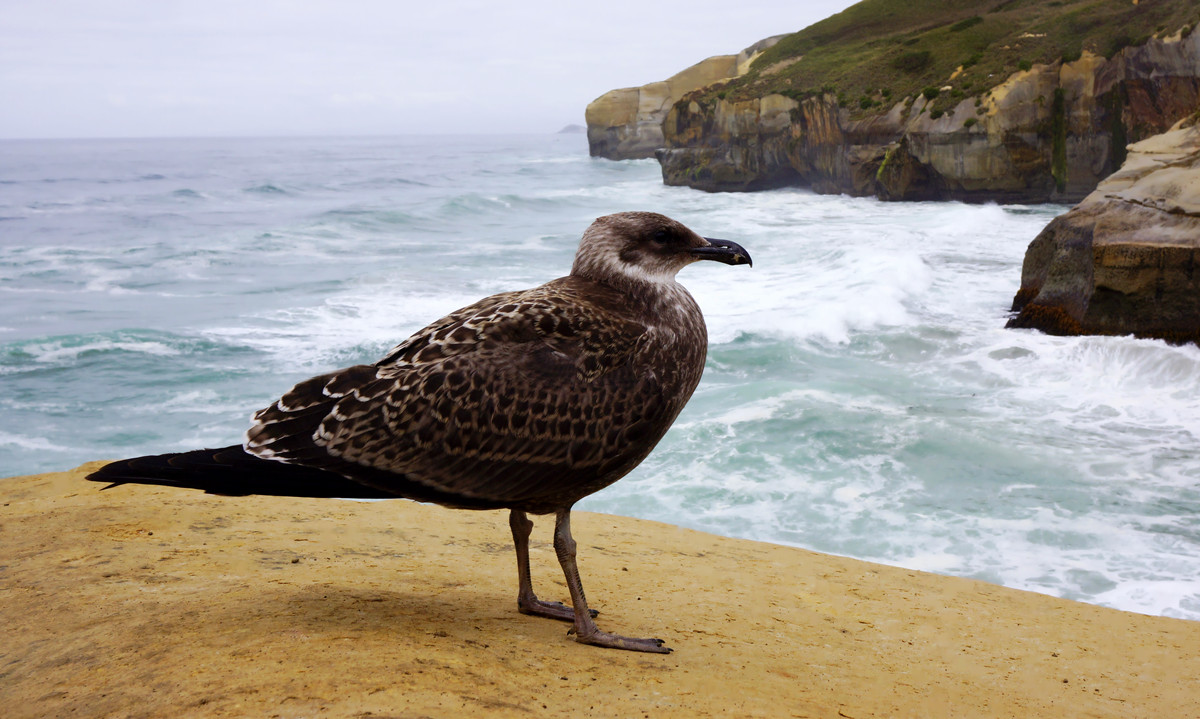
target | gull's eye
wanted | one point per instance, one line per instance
(661, 236)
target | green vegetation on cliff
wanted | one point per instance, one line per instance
(879, 51)
(1058, 137)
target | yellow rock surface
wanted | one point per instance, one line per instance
(152, 602)
(627, 123)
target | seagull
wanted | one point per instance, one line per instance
(526, 401)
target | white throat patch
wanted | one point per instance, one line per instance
(639, 273)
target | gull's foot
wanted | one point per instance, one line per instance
(616, 641)
(553, 610)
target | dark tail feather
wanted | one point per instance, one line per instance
(232, 471)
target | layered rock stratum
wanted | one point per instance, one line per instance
(626, 124)
(1126, 260)
(1047, 134)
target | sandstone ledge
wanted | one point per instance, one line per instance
(1124, 260)
(151, 602)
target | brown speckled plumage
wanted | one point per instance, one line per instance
(525, 400)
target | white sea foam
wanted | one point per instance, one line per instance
(349, 328)
(35, 444)
(108, 281)
(65, 352)
(203, 401)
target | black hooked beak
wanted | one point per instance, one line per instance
(731, 253)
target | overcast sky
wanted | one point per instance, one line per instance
(147, 68)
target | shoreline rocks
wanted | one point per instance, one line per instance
(1126, 260)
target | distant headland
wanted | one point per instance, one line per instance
(1000, 101)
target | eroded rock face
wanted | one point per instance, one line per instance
(1047, 134)
(1126, 260)
(737, 146)
(626, 124)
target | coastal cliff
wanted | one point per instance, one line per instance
(626, 124)
(1002, 101)
(1126, 259)
(145, 601)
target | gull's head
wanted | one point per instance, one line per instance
(646, 247)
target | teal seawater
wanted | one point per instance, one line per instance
(861, 395)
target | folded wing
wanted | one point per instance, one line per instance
(527, 400)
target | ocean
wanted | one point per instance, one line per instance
(861, 398)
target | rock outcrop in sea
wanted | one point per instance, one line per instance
(1126, 260)
(626, 124)
(1046, 134)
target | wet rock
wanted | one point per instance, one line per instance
(1124, 261)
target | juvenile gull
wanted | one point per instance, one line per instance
(526, 401)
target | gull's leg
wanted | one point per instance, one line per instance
(585, 629)
(527, 601)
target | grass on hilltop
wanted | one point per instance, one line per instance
(879, 51)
